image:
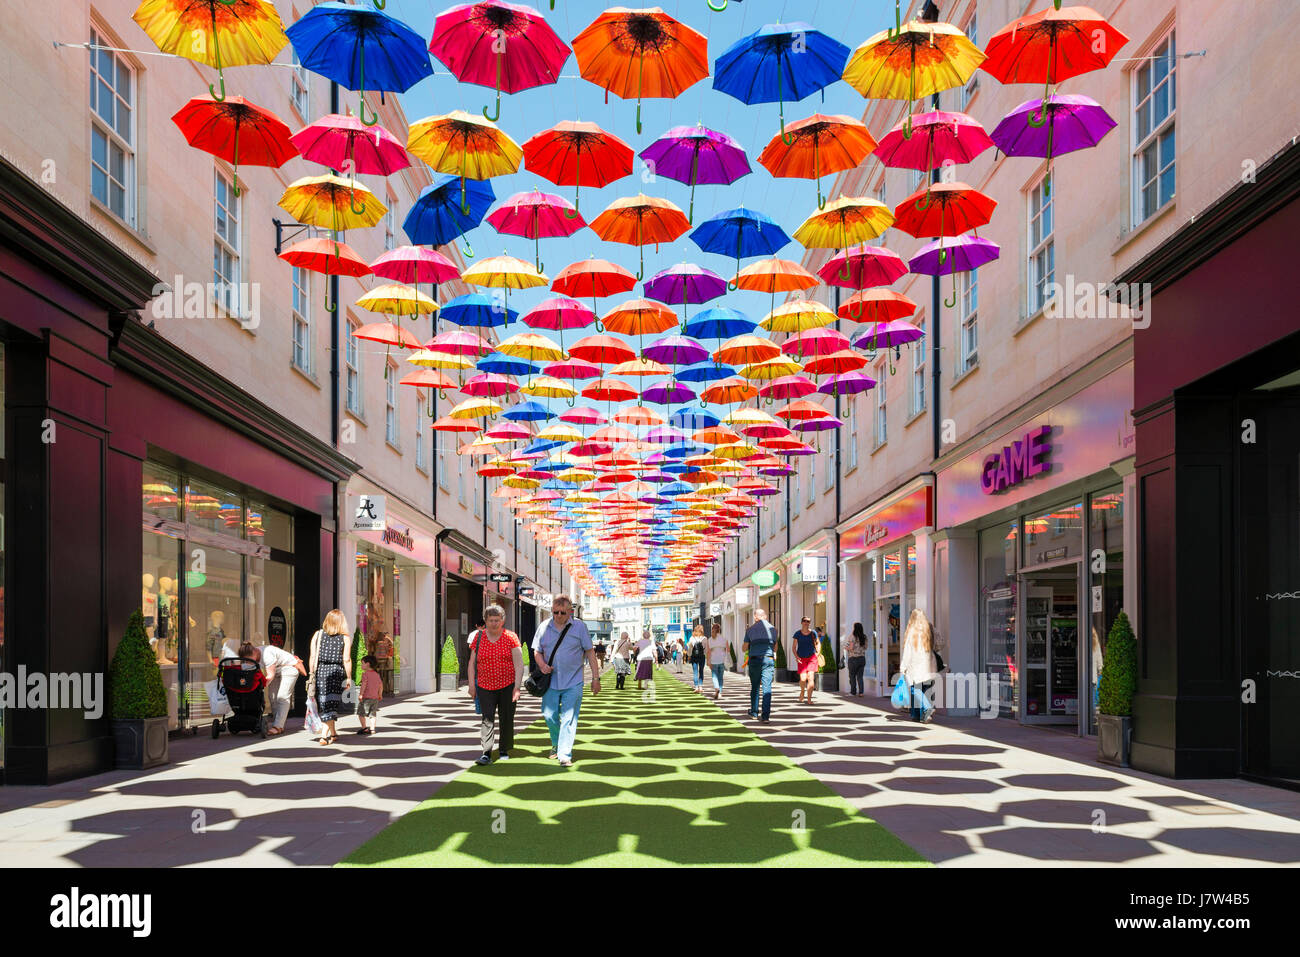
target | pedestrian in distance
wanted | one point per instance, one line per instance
(716, 648)
(760, 650)
(856, 651)
(698, 657)
(282, 669)
(622, 664)
(372, 690)
(562, 701)
(918, 664)
(330, 671)
(646, 649)
(384, 655)
(496, 676)
(806, 652)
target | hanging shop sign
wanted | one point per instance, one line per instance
(526, 592)
(368, 514)
(277, 626)
(812, 568)
(501, 577)
(744, 597)
(1018, 462)
(765, 578)
(715, 608)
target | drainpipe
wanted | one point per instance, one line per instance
(334, 393)
(835, 553)
(935, 303)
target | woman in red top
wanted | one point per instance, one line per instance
(496, 675)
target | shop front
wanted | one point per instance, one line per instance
(1034, 528)
(391, 557)
(885, 551)
(464, 569)
(527, 594)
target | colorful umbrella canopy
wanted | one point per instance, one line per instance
(694, 154)
(438, 215)
(911, 61)
(395, 299)
(593, 277)
(815, 342)
(328, 256)
(877, 305)
(719, 322)
(896, 333)
(860, 267)
(559, 314)
(641, 52)
(468, 146)
(788, 387)
(637, 317)
(638, 220)
(847, 383)
(846, 360)
(777, 62)
(954, 255)
(812, 147)
(746, 348)
(501, 45)
(675, 350)
(387, 333)
(214, 32)
(504, 272)
(490, 384)
(360, 48)
(741, 233)
(844, 222)
(1062, 124)
(218, 126)
(943, 209)
(572, 153)
(604, 350)
(531, 346)
(797, 316)
(414, 264)
(685, 283)
(344, 142)
(330, 203)
(535, 214)
(937, 139)
(478, 309)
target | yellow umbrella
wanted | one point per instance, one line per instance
(641, 367)
(505, 272)
(747, 417)
(773, 368)
(519, 481)
(733, 450)
(797, 316)
(439, 360)
(549, 387)
(475, 408)
(328, 201)
(469, 146)
(845, 222)
(395, 299)
(560, 432)
(575, 475)
(531, 346)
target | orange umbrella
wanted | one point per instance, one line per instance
(613, 52)
(637, 220)
(636, 317)
(729, 390)
(773, 276)
(877, 305)
(743, 350)
(818, 145)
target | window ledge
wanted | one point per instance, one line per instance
(973, 367)
(423, 469)
(393, 445)
(356, 414)
(221, 312)
(309, 376)
(878, 446)
(1142, 227)
(1027, 321)
(132, 232)
(919, 414)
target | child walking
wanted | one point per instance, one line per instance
(372, 689)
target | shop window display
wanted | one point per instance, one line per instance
(997, 547)
(1106, 580)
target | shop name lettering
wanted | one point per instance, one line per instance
(59, 691)
(876, 532)
(1016, 462)
(393, 537)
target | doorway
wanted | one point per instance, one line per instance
(1049, 649)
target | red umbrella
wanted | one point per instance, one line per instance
(943, 209)
(573, 153)
(415, 264)
(937, 138)
(815, 342)
(846, 360)
(877, 305)
(610, 390)
(593, 277)
(558, 314)
(236, 131)
(535, 214)
(343, 142)
(863, 266)
(788, 387)
(605, 350)
(327, 256)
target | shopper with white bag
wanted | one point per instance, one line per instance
(282, 669)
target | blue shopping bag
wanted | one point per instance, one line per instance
(902, 696)
(921, 702)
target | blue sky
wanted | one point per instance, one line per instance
(788, 201)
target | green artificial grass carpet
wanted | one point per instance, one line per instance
(671, 779)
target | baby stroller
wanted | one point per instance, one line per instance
(244, 684)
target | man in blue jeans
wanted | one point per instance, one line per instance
(563, 699)
(760, 645)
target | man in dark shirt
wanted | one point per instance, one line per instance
(760, 645)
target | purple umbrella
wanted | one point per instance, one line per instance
(696, 154)
(685, 282)
(657, 477)
(818, 425)
(896, 333)
(667, 392)
(1072, 123)
(847, 383)
(676, 351)
(953, 255)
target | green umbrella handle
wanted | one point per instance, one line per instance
(329, 306)
(352, 200)
(486, 116)
(1041, 118)
(569, 400)
(361, 112)
(787, 139)
(717, 9)
(950, 303)
(213, 90)
(897, 28)
(379, 4)
(234, 176)
(464, 203)
(821, 203)
(467, 249)
(537, 256)
(640, 75)
(216, 49)
(856, 313)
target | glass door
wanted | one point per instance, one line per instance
(1049, 646)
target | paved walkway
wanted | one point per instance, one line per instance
(958, 791)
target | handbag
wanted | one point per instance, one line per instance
(537, 683)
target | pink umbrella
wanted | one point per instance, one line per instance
(535, 214)
(510, 431)
(862, 267)
(572, 369)
(490, 384)
(414, 265)
(788, 387)
(559, 313)
(938, 138)
(345, 143)
(584, 415)
(815, 342)
(459, 342)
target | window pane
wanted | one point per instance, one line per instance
(1054, 535)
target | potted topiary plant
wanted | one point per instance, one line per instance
(783, 673)
(1115, 694)
(731, 650)
(450, 667)
(828, 675)
(137, 700)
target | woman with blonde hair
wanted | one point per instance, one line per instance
(695, 653)
(330, 672)
(917, 661)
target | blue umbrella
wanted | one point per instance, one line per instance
(740, 232)
(693, 419)
(477, 309)
(778, 60)
(530, 411)
(360, 48)
(718, 322)
(436, 216)
(506, 365)
(707, 371)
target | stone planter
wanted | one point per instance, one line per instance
(140, 743)
(828, 682)
(787, 676)
(1114, 734)
(447, 682)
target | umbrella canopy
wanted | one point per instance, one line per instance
(777, 62)
(331, 203)
(439, 214)
(817, 145)
(593, 277)
(360, 48)
(943, 209)
(719, 322)
(1060, 124)
(528, 411)
(468, 146)
(459, 342)
(746, 348)
(637, 317)
(667, 392)
(844, 222)
(882, 335)
(788, 387)
(953, 255)
(490, 384)
(847, 383)
(695, 154)
(609, 390)
(1052, 45)
(640, 53)
(797, 316)
(846, 360)
(213, 32)
(705, 371)
(573, 153)
(427, 379)
(772, 368)
(815, 342)
(638, 220)
(500, 45)
(605, 350)
(876, 305)
(936, 139)
(397, 300)
(530, 346)
(504, 272)
(535, 214)
(414, 264)
(676, 350)
(477, 309)
(559, 313)
(773, 276)
(388, 334)
(505, 365)
(340, 141)
(861, 267)
(236, 131)
(741, 233)
(326, 256)
(685, 283)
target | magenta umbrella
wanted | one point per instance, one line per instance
(847, 383)
(557, 314)
(1072, 123)
(695, 154)
(490, 384)
(535, 214)
(414, 265)
(953, 254)
(345, 143)
(584, 415)
(685, 282)
(572, 369)
(503, 45)
(788, 387)
(862, 267)
(815, 342)
(938, 138)
(895, 333)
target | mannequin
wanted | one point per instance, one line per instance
(149, 604)
(216, 638)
